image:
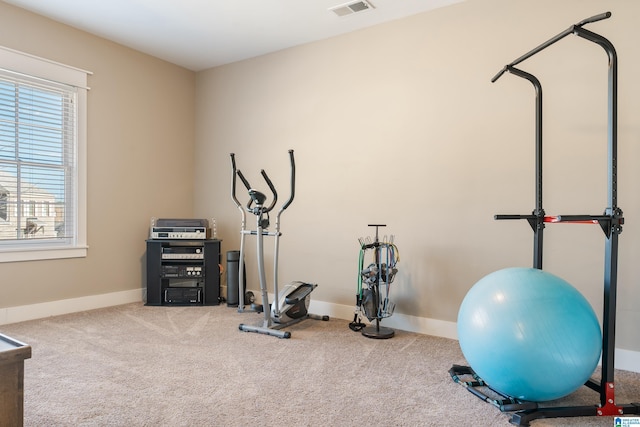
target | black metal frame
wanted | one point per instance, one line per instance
(610, 221)
(376, 331)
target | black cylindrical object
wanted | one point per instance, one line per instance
(233, 279)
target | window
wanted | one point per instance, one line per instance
(42, 159)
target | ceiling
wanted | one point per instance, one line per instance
(200, 34)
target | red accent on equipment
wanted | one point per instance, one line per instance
(610, 407)
(554, 218)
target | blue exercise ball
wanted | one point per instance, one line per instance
(529, 334)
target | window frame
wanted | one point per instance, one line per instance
(40, 68)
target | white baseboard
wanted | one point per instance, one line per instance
(73, 305)
(421, 325)
(626, 360)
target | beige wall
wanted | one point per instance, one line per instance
(140, 159)
(400, 124)
(397, 124)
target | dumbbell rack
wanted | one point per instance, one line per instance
(380, 274)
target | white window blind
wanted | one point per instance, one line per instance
(42, 159)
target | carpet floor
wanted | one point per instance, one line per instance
(133, 365)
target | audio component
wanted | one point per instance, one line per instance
(183, 295)
(179, 233)
(182, 271)
(183, 252)
(180, 229)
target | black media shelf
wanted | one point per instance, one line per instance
(183, 272)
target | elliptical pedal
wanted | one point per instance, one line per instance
(300, 293)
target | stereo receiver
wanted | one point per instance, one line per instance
(180, 229)
(183, 252)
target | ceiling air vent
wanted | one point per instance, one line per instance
(352, 7)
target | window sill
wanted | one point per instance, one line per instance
(43, 254)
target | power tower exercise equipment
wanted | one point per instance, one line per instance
(610, 222)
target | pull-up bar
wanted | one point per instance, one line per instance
(611, 221)
(574, 29)
(612, 92)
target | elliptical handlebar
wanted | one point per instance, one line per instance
(272, 188)
(243, 179)
(234, 171)
(293, 181)
(255, 195)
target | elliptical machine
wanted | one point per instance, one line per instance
(291, 304)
